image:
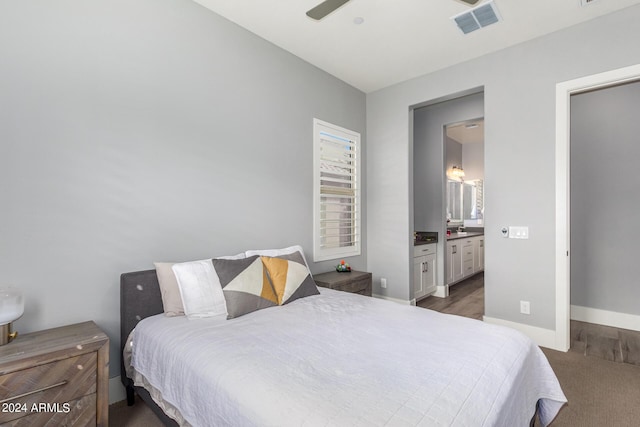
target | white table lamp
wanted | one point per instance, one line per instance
(11, 308)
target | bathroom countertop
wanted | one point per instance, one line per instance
(455, 236)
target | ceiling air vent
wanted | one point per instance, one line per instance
(478, 17)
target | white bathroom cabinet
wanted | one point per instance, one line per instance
(424, 270)
(464, 258)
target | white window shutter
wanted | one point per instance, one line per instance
(337, 192)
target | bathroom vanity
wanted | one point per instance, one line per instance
(464, 256)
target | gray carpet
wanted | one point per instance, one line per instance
(600, 392)
(138, 415)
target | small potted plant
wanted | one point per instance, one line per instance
(343, 267)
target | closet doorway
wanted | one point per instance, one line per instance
(564, 93)
(604, 200)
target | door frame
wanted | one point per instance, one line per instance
(564, 90)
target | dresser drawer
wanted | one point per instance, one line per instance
(79, 412)
(56, 382)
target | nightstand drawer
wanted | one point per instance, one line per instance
(357, 282)
(57, 382)
(362, 287)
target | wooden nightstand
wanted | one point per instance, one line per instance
(357, 282)
(56, 377)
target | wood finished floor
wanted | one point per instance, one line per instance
(605, 342)
(617, 345)
(465, 298)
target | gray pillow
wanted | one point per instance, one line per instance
(245, 285)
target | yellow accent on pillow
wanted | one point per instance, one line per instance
(277, 269)
(267, 290)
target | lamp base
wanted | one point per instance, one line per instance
(6, 336)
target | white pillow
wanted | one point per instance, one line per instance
(241, 255)
(169, 290)
(278, 252)
(200, 289)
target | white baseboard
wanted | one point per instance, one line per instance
(605, 317)
(399, 301)
(542, 337)
(116, 390)
(441, 291)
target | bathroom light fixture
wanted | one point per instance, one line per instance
(11, 309)
(455, 173)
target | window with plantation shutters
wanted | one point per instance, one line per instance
(336, 200)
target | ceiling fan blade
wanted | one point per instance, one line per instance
(325, 8)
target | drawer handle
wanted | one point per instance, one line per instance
(34, 391)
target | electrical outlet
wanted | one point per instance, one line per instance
(525, 307)
(383, 283)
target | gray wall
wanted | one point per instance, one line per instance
(429, 162)
(453, 153)
(519, 86)
(148, 130)
(605, 198)
(473, 160)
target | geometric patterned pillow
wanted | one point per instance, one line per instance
(290, 277)
(245, 285)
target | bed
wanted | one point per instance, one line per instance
(333, 359)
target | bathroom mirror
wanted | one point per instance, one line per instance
(465, 201)
(454, 202)
(473, 199)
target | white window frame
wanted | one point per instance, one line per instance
(323, 250)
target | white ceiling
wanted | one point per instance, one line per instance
(399, 39)
(468, 132)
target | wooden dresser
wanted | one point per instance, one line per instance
(357, 282)
(56, 377)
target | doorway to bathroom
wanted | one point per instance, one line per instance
(448, 136)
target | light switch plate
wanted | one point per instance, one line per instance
(518, 232)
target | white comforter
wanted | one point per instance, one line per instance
(339, 359)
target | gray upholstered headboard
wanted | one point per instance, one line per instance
(139, 298)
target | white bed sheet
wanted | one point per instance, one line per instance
(339, 359)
